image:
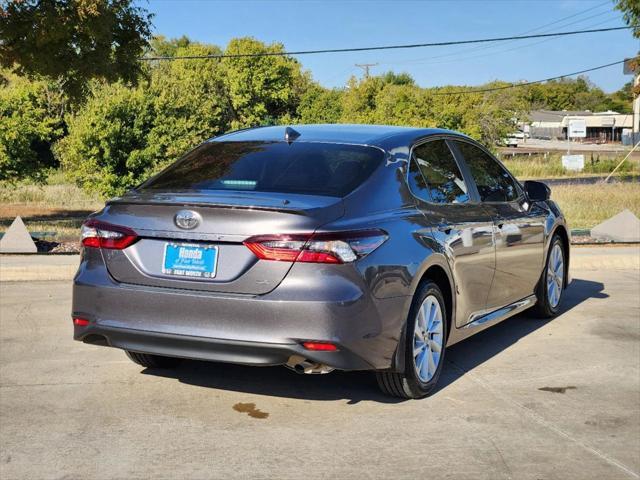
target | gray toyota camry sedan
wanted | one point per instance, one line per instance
(320, 247)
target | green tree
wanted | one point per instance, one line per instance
(260, 89)
(74, 41)
(319, 105)
(404, 104)
(489, 117)
(398, 78)
(160, 46)
(122, 134)
(31, 119)
(106, 150)
(189, 101)
(622, 100)
(631, 12)
(359, 100)
(554, 95)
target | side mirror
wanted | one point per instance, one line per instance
(537, 191)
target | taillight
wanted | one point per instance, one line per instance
(99, 234)
(329, 247)
(320, 346)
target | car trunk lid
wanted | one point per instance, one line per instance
(227, 219)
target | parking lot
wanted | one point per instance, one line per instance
(525, 399)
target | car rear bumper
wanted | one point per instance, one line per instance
(309, 305)
(214, 349)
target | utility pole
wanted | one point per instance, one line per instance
(631, 67)
(636, 111)
(365, 67)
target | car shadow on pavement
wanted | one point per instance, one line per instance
(468, 354)
(361, 386)
(278, 382)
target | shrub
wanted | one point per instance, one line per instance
(122, 135)
(106, 149)
(31, 119)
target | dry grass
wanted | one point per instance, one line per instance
(61, 208)
(58, 196)
(540, 166)
(58, 208)
(585, 206)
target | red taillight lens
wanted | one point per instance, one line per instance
(320, 346)
(80, 322)
(328, 247)
(277, 247)
(97, 234)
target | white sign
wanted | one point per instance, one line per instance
(608, 121)
(573, 162)
(577, 128)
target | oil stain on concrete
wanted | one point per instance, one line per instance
(250, 409)
(557, 389)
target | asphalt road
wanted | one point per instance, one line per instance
(527, 399)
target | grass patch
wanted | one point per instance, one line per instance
(56, 194)
(61, 207)
(51, 207)
(585, 206)
(550, 166)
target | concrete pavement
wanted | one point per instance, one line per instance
(526, 399)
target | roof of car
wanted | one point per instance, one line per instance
(379, 135)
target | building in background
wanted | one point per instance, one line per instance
(602, 127)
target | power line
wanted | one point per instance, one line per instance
(458, 57)
(386, 47)
(525, 84)
(578, 14)
(486, 47)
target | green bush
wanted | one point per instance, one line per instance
(106, 150)
(30, 121)
(122, 135)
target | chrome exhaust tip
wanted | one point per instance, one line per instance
(303, 366)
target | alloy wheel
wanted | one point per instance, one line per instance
(555, 275)
(427, 339)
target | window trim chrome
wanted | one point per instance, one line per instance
(471, 192)
(522, 196)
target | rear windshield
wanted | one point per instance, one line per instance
(305, 168)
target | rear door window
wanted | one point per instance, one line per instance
(434, 175)
(299, 168)
(493, 181)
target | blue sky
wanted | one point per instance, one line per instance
(311, 24)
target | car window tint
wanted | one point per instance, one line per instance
(435, 176)
(493, 182)
(417, 183)
(305, 168)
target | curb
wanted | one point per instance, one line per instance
(622, 257)
(24, 268)
(37, 273)
(620, 262)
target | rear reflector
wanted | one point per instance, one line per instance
(97, 234)
(320, 346)
(80, 322)
(328, 247)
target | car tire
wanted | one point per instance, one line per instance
(549, 295)
(419, 378)
(153, 361)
